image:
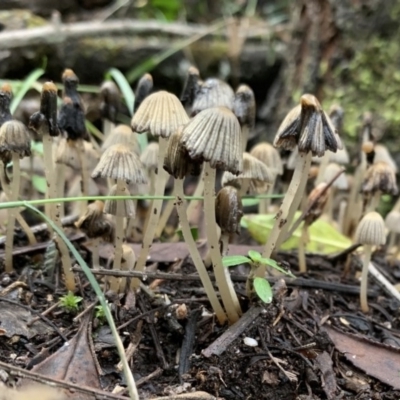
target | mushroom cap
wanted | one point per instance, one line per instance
(213, 93)
(380, 177)
(371, 230)
(259, 175)
(160, 113)
(143, 89)
(228, 210)
(69, 76)
(392, 221)
(336, 114)
(191, 86)
(14, 138)
(5, 101)
(95, 223)
(128, 205)
(214, 135)
(382, 154)
(177, 161)
(71, 118)
(318, 201)
(332, 169)
(308, 126)
(122, 134)
(110, 100)
(119, 162)
(244, 106)
(149, 157)
(268, 155)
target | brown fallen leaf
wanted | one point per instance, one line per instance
(324, 363)
(375, 359)
(72, 363)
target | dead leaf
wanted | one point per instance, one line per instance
(324, 363)
(375, 359)
(73, 363)
(32, 392)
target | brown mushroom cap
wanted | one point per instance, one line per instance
(268, 155)
(228, 210)
(380, 177)
(122, 134)
(371, 230)
(14, 138)
(143, 89)
(244, 106)
(110, 100)
(214, 135)
(5, 102)
(161, 114)
(120, 163)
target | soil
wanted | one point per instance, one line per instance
(297, 355)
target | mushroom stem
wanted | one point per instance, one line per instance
(180, 204)
(341, 215)
(302, 248)
(60, 185)
(24, 226)
(119, 234)
(245, 136)
(165, 216)
(329, 204)
(12, 213)
(108, 127)
(224, 244)
(263, 205)
(374, 202)
(85, 172)
(95, 253)
(154, 213)
(288, 207)
(195, 204)
(364, 278)
(222, 276)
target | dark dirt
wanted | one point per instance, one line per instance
(294, 357)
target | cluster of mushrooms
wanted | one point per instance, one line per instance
(205, 131)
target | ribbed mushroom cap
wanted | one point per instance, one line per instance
(228, 210)
(177, 161)
(213, 93)
(149, 157)
(331, 171)
(317, 198)
(128, 258)
(254, 171)
(161, 114)
(191, 86)
(122, 134)
(119, 162)
(46, 118)
(371, 230)
(5, 101)
(244, 106)
(67, 153)
(110, 100)
(392, 221)
(379, 177)
(308, 126)
(143, 89)
(14, 138)
(95, 223)
(128, 206)
(214, 135)
(268, 155)
(336, 114)
(382, 154)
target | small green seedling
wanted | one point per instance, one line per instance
(260, 285)
(70, 302)
(100, 313)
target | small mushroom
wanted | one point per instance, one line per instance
(191, 87)
(109, 106)
(122, 134)
(143, 89)
(392, 222)
(5, 102)
(370, 232)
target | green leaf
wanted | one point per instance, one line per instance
(273, 264)
(324, 238)
(39, 183)
(125, 88)
(250, 202)
(26, 85)
(254, 255)
(37, 147)
(194, 231)
(263, 289)
(231, 261)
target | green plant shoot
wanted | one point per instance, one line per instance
(70, 302)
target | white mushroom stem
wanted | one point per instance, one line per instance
(383, 281)
(95, 253)
(245, 136)
(329, 204)
(288, 207)
(60, 184)
(24, 226)
(224, 243)
(322, 167)
(154, 212)
(195, 204)
(341, 215)
(194, 253)
(12, 213)
(108, 127)
(364, 278)
(165, 216)
(263, 205)
(302, 248)
(373, 202)
(119, 233)
(222, 276)
(84, 171)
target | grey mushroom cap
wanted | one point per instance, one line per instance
(214, 135)
(392, 221)
(371, 230)
(149, 157)
(160, 113)
(268, 155)
(213, 93)
(228, 210)
(122, 134)
(309, 127)
(120, 163)
(380, 177)
(14, 138)
(244, 106)
(110, 100)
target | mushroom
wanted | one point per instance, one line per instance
(161, 114)
(122, 134)
(370, 232)
(5, 102)
(191, 87)
(15, 143)
(143, 89)
(178, 164)
(214, 136)
(109, 106)
(310, 128)
(392, 222)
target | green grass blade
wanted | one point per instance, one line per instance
(124, 87)
(23, 89)
(128, 374)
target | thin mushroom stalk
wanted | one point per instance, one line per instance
(364, 278)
